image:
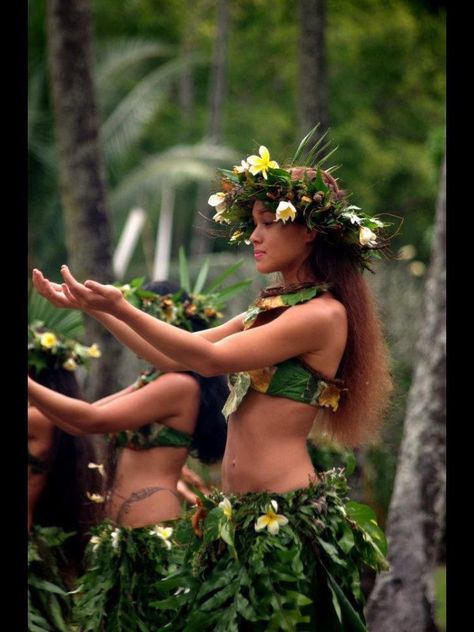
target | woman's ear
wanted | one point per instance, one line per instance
(310, 235)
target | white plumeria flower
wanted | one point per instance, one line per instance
(285, 211)
(367, 237)
(244, 166)
(115, 537)
(70, 364)
(95, 498)
(97, 466)
(217, 200)
(226, 508)
(261, 163)
(48, 340)
(354, 219)
(271, 520)
(164, 533)
(219, 218)
(95, 541)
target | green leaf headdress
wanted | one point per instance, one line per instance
(192, 307)
(302, 191)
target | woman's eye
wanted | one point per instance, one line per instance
(268, 223)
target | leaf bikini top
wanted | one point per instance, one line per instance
(150, 435)
(292, 378)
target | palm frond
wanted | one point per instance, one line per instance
(128, 120)
(65, 322)
(121, 55)
(179, 164)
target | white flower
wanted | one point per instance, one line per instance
(271, 520)
(115, 537)
(95, 498)
(285, 211)
(164, 533)
(219, 217)
(367, 237)
(97, 466)
(217, 200)
(95, 541)
(354, 219)
(244, 166)
(226, 507)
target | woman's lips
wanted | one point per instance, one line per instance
(258, 254)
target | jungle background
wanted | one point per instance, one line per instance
(181, 87)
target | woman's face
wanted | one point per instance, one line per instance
(279, 247)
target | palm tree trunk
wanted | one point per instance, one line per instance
(403, 598)
(82, 183)
(312, 65)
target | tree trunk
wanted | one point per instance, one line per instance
(86, 224)
(403, 599)
(312, 65)
(216, 95)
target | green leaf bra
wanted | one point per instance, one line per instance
(292, 378)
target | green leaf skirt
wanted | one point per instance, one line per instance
(256, 561)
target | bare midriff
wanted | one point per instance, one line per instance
(266, 445)
(144, 490)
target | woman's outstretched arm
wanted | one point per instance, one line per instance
(56, 295)
(172, 397)
(301, 329)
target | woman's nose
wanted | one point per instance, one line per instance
(255, 236)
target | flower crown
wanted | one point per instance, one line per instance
(301, 192)
(50, 350)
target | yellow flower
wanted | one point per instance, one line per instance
(93, 351)
(271, 520)
(217, 200)
(285, 211)
(48, 340)
(226, 508)
(329, 397)
(97, 466)
(367, 237)
(237, 235)
(261, 163)
(95, 498)
(70, 365)
(164, 533)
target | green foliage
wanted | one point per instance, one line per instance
(304, 576)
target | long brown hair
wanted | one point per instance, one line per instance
(364, 366)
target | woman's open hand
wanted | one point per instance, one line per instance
(90, 295)
(53, 292)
